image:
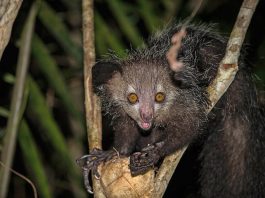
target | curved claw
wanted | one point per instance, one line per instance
(86, 181)
(89, 164)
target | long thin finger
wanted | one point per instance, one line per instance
(86, 181)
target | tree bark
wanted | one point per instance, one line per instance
(92, 105)
(8, 13)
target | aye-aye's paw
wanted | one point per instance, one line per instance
(89, 164)
(141, 162)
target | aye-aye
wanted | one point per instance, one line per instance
(156, 111)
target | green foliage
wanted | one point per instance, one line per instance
(56, 27)
(35, 165)
(119, 10)
(47, 66)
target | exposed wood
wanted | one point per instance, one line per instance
(116, 180)
(229, 65)
(8, 14)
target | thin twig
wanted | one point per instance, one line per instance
(17, 97)
(172, 54)
(22, 177)
(93, 112)
(176, 40)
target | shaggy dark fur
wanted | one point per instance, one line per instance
(233, 155)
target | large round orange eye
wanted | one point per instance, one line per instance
(160, 97)
(133, 98)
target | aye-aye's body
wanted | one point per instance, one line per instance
(157, 111)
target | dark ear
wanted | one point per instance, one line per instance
(203, 56)
(103, 71)
(184, 79)
(210, 53)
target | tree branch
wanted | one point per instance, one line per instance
(8, 13)
(92, 105)
(229, 65)
(225, 76)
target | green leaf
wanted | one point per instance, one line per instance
(57, 28)
(32, 158)
(46, 121)
(149, 15)
(104, 35)
(17, 108)
(4, 112)
(118, 8)
(55, 79)
(41, 112)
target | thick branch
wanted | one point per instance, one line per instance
(229, 65)
(8, 13)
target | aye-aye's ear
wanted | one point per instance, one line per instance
(201, 58)
(103, 71)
